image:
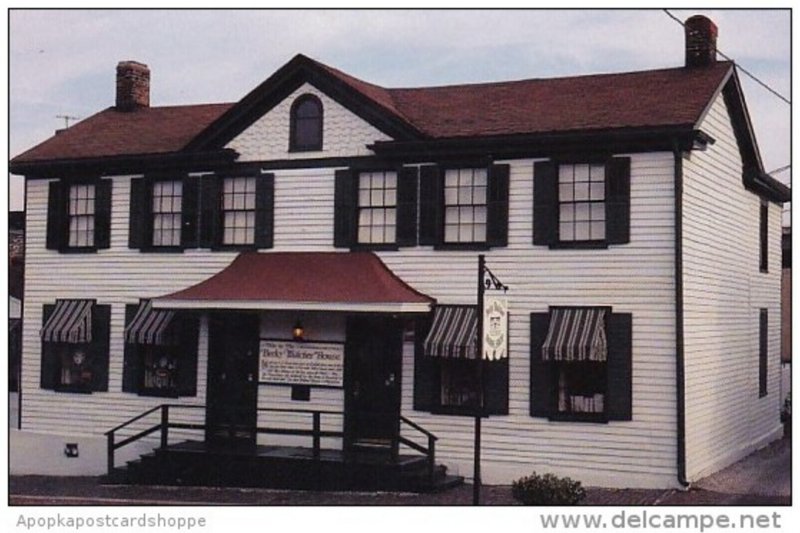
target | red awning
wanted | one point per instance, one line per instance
(310, 281)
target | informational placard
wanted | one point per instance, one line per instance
(301, 363)
(495, 327)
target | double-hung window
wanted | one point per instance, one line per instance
(377, 207)
(81, 215)
(238, 210)
(167, 202)
(465, 205)
(78, 215)
(581, 202)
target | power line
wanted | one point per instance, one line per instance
(779, 169)
(740, 67)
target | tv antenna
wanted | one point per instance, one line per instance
(67, 118)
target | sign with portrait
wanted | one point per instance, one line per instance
(495, 327)
(301, 363)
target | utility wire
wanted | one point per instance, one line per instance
(740, 67)
(780, 169)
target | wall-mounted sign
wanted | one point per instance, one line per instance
(301, 363)
(495, 327)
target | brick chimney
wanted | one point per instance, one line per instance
(701, 41)
(133, 85)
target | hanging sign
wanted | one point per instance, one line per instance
(495, 327)
(301, 363)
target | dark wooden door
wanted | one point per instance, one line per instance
(372, 381)
(232, 379)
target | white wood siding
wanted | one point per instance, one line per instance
(723, 292)
(343, 133)
(636, 278)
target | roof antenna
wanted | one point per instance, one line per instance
(67, 118)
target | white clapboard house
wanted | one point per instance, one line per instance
(263, 291)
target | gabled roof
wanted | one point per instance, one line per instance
(112, 133)
(668, 97)
(312, 281)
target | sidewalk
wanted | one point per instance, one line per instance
(760, 479)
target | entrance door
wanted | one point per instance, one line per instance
(372, 381)
(232, 379)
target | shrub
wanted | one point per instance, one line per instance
(547, 489)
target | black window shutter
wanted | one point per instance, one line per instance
(545, 203)
(132, 360)
(265, 209)
(497, 206)
(426, 374)
(542, 390)
(764, 237)
(49, 364)
(102, 214)
(189, 207)
(407, 180)
(187, 362)
(495, 387)
(619, 397)
(344, 208)
(618, 200)
(431, 198)
(139, 209)
(210, 200)
(57, 223)
(763, 325)
(101, 329)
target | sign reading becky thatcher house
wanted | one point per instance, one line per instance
(630, 212)
(292, 363)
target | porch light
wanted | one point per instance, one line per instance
(297, 331)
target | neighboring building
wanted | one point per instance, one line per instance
(629, 214)
(16, 280)
(786, 312)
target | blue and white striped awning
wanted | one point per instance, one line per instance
(576, 334)
(149, 326)
(454, 332)
(71, 321)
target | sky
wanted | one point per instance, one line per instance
(63, 62)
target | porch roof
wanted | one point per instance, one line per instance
(302, 281)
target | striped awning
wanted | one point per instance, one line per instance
(149, 326)
(576, 334)
(454, 332)
(71, 321)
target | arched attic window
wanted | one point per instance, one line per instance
(305, 124)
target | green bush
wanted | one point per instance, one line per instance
(547, 489)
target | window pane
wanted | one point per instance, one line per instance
(451, 178)
(391, 180)
(390, 199)
(390, 233)
(480, 214)
(451, 233)
(451, 196)
(465, 195)
(465, 233)
(377, 197)
(598, 191)
(581, 173)
(581, 191)
(582, 211)
(566, 212)
(364, 217)
(565, 192)
(599, 173)
(479, 195)
(451, 215)
(363, 234)
(565, 173)
(581, 231)
(378, 217)
(308, 132)
(465, 215)
(364, 198)
(598, 211)
(566, 231)
(480, 232)
(391, 215)
(479, 177)
(598, 230)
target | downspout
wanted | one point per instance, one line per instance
(680, 386)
